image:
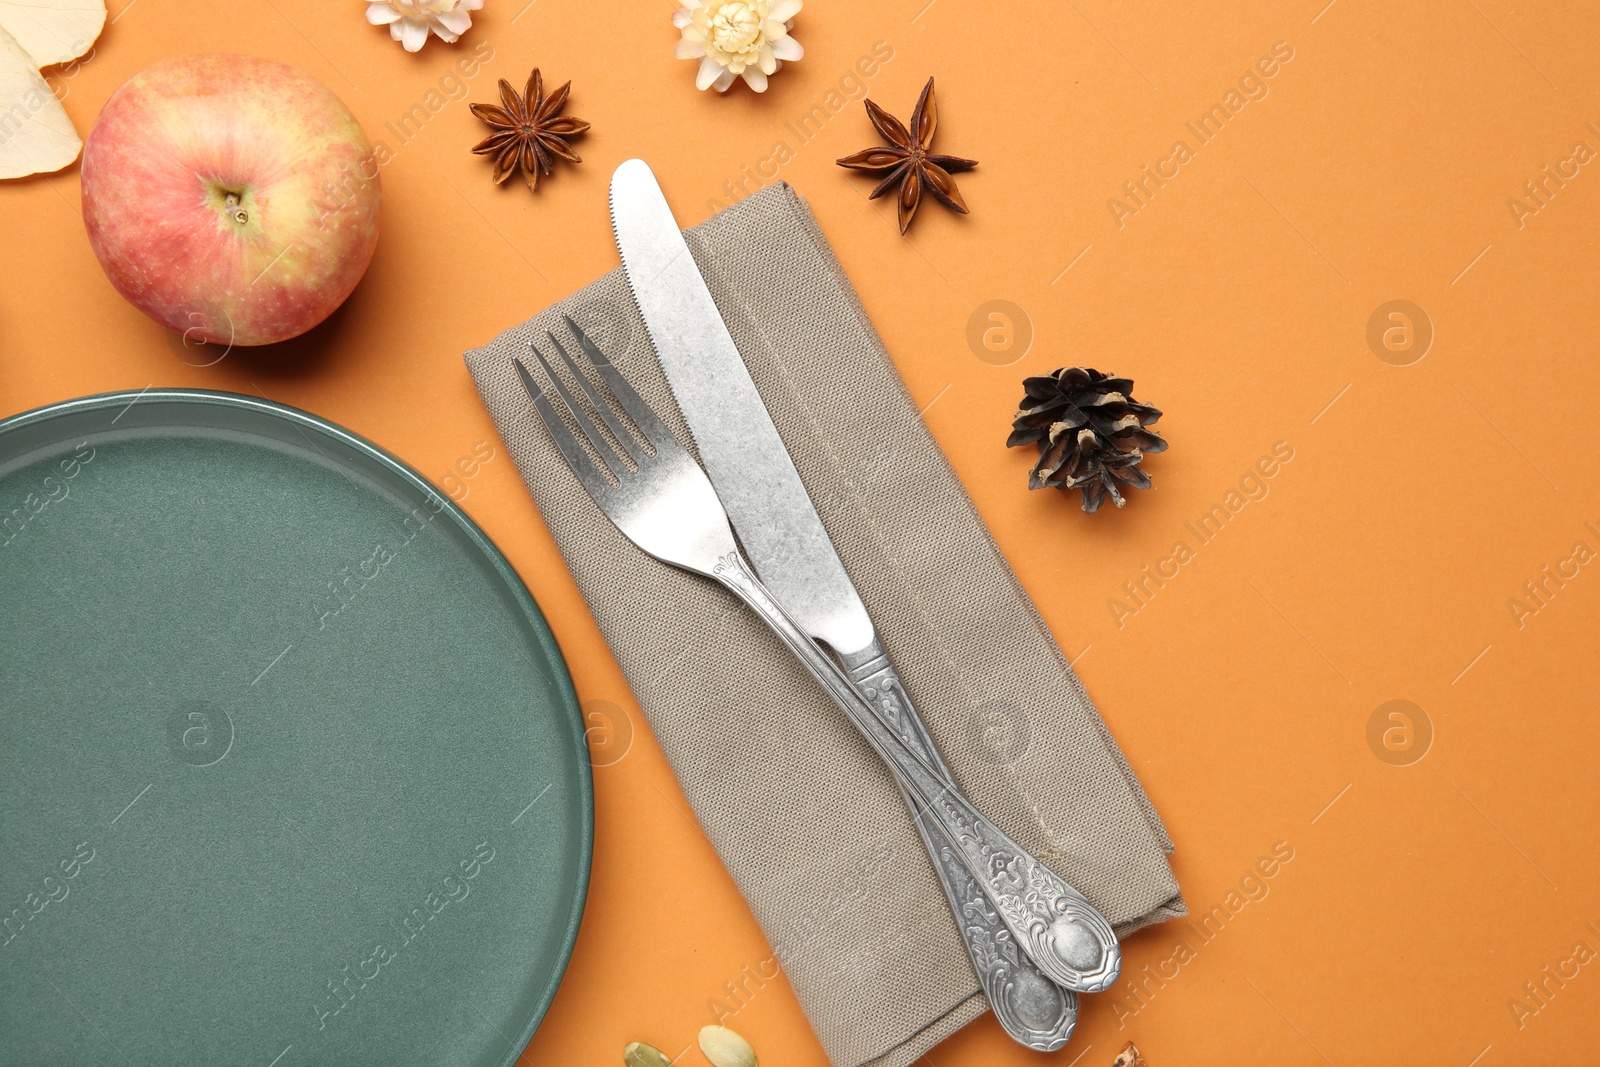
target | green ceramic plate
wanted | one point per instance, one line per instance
(291, 770)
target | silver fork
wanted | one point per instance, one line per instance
(660, 499)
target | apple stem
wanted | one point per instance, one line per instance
(235, 211)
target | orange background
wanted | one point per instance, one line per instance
(1378, 566)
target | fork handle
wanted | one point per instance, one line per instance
(1033, 1010)
(1053, 923)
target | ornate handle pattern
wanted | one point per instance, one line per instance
(1035, 1011)
(1053, 923)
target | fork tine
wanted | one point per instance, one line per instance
(654, 430)
(582, 464)
(609, 417)
(595, 439)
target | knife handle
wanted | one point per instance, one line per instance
(1053, 923)
(1031, 1008)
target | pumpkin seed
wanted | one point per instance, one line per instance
(639, 1054)
(724, 1048)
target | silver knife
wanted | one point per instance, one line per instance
(782, 534)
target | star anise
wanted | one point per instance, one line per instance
(909, 163)
(529, 131)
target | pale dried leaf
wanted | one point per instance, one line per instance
(36, 137)
(53, 31)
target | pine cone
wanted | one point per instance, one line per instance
(1090, 431)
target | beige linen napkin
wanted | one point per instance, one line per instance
(804, 816)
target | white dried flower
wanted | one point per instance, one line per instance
(410, 21)
(736, 38)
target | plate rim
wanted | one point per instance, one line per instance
(480, 540)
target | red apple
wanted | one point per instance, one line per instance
(230, 198)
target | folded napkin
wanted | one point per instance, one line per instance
(802, 813)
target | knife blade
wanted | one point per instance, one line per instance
(733, 432)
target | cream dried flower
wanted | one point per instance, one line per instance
(410, 21)
(736, 38)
